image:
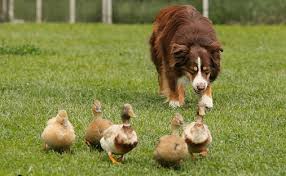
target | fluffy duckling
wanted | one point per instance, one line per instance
(172, 149)
(59, 133)
(198, 137)
(120, 139)
(94, 131)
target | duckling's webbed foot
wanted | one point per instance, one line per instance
(193, 156)
(113, 160)
(87, 143)
(68, 150)
(121, 158)
(46, 147)
(204, 153)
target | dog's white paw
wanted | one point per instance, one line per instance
(174, 103)
(206, 101)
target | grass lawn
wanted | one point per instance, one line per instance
(48, 67)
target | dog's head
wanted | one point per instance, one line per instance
(200, 64)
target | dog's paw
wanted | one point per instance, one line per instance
(174, 103)
(206, 101)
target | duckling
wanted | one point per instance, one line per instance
(172, 149)
(94, 131)
(120, 139)
(59, 133)
(198, 137)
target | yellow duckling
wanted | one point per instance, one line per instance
(198, 137)
(172, 149)
(94, 131)
(59, 133)
(120, 139)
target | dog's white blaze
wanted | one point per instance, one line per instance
(199, 79)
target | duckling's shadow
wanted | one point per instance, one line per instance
(96, 148)
(198, 158)
(56, 151)
(176, 167)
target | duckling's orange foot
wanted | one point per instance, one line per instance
(87, 143)
(193, 156)
(46, 147)
(113, 160)
(204, 153)
(68, 150)
(121, 158)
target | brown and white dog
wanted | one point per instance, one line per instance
(184, 48)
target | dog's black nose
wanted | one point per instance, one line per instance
(201, 86)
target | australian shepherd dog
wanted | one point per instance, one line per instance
(185, 49)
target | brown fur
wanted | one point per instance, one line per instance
(180, 35)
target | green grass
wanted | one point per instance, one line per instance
(67, 66)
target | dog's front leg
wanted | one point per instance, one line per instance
(206, 101)
(163, 83)
(177, 92)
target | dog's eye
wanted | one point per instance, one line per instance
(207, 71)
(193, 70)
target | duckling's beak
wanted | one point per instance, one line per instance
(131, 114)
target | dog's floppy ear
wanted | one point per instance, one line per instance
(179, 53)
(216, 47)
(215, 58)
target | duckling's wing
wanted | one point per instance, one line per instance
(187, 130)
(69, 125)
(133, 138)
(70, 131)
(50, 135)
(103, 124)
(210, 139)
(107, 142)
(112, 131)
(51, 121)
(171, 148)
